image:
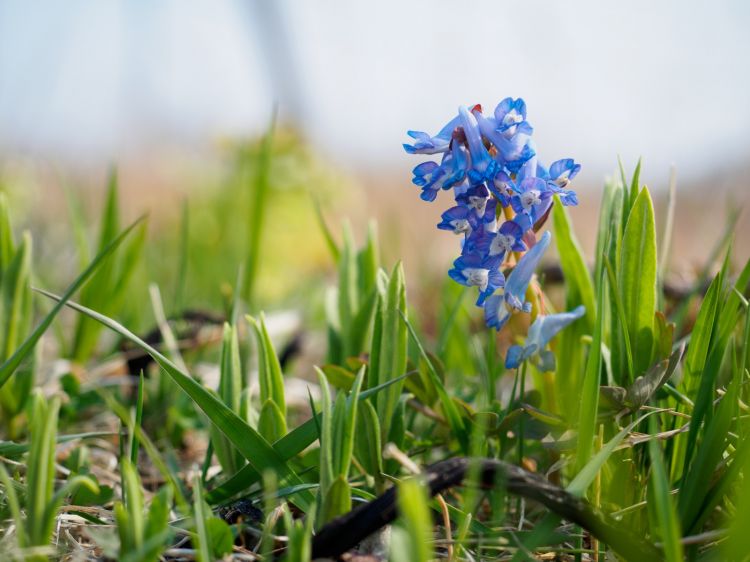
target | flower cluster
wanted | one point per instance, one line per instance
(503, 195)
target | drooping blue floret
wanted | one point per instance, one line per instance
(459, 220)
(511, 117)
(561, 173)
(471, 270)
(532, 198)
(502, 187)
(432, 177)
(494, 246)
(425, 144)
(541, 331)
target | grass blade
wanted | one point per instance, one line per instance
(637, 281)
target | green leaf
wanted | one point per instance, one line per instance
(337, 501)
(338, 376)
(389, 344)
(578, 283)
(12, 449)
(326, 469)
(269, 369)
(6, 234)
(643, 388)
(412, 538)
(15, 310)
(348, 301)
(230, 392)
(669, 528)
(637, 279)
(221, 537)
(271, 422)
(587, 418)
(13, 505)
(130, 519)
(579, 290)
(368, 443)
(327, 234)
(299, 533)
(708, 455)
(260, 188)
(608, 232)
(40, 476)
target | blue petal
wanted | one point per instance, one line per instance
(483, 295)
(511, 228)
(480, 158)
(428, 194)
(425, 144)
(513, 357)
(569, 198)
(558, 168)
(496, 313)
(458, 276)
(496, 278)
(532, 183)
(519, 278)
(518, 354)
(519, 160)
(479, 241)
(549, 326)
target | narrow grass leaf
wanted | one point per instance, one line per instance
(669, 529)
(637, 280)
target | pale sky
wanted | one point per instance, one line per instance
(88, 80)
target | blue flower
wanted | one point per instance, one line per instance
(483, 166)
(425, 144)
(476, 198)
(511, 117)
(472, 271)
(432, 177)
(563, 171)
(459, 220)
(499, 307)
(532, 198)
(502, 187)
(512, 152)
(541, 331)
(494, 246)
(559, 177)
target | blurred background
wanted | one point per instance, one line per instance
(176, 95)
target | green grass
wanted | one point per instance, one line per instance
(643, 417)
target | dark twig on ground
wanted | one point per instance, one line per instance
(344, 533)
